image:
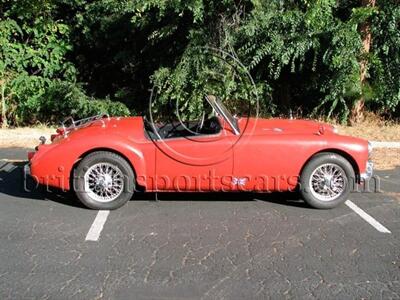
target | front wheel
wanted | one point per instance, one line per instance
(104, 180)
(325, 182)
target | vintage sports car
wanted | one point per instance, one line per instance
(106, 160)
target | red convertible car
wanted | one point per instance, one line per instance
(106, 160)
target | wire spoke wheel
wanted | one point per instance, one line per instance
(328, 182)
(104, 182)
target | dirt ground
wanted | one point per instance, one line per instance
(372, 132)
(375, 129)
(384, 158)
(25, 137)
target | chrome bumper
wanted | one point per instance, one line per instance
(369, 170)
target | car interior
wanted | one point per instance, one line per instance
(176, 129)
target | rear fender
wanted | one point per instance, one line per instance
(54, 165)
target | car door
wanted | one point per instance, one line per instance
(264, 159)
(252, 164)
(196, 163)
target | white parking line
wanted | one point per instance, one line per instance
(97, 226)
(378, 226)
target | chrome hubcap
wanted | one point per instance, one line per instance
(104, 182)
(328, 182)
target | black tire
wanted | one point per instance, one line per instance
(310, 195)
(109, 158)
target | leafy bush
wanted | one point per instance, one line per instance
(37, 81)
(204, 71)
(302, 54)
(385, 58)
(63, 99)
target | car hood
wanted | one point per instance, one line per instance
(259, 126)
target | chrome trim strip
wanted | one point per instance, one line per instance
(214, 104)
(27, 170)
(82, 122)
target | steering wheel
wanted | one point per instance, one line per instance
(199, 126)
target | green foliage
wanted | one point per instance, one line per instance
(212, 72)
(75, 103)
(80, 57)
(300, 53)
(33, 61)
(385, 58)
(201, 68)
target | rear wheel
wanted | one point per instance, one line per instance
(326, 180)
(104, 180)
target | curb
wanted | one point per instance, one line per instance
(376, 144)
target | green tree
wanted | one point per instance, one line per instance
(302, 54)
(384, 59)
(35, 43)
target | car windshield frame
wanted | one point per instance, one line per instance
(221, 109)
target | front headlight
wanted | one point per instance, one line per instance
(369, 149)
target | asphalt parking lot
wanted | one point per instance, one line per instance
(197, 246)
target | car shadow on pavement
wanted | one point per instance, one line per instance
(283, 198)
(15, 183)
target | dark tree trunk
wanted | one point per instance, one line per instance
(4, 123)
(357, 112)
